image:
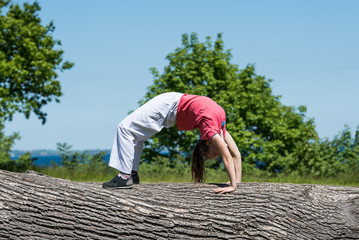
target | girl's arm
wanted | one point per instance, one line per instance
(236, 156)
(228, 163)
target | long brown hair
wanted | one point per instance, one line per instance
(197, 168)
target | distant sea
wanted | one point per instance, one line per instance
(45, 160)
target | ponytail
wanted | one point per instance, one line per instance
(198, 167)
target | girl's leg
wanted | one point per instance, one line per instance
(139, 126)
(138, 153)
(123, 151)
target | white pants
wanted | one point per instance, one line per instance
(139, 126)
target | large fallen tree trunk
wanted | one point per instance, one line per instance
(34, 206)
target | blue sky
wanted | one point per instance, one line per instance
(309, 48)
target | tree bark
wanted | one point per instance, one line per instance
(35, 206)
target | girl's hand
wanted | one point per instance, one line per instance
(224, 190)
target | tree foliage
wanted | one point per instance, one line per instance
(267, 132)
(329, 158)
(29, 60)
(6, 142)
(73, 159)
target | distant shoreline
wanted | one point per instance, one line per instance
(44, 158)
(51, 152)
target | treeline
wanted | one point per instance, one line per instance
(331, 162)
(274, 139)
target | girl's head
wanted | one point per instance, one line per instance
(204, 149)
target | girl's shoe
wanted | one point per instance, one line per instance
(118, 182)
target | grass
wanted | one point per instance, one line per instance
(341, 180)
(153, 175)
(80, 174)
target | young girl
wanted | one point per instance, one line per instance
(189, 112)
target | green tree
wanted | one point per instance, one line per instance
(73, 159)
(346, 150)
(6, 142)
(326, 158)
(266, 131)
(29, 60)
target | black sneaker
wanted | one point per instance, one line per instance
(118, 182)
(136, 178)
